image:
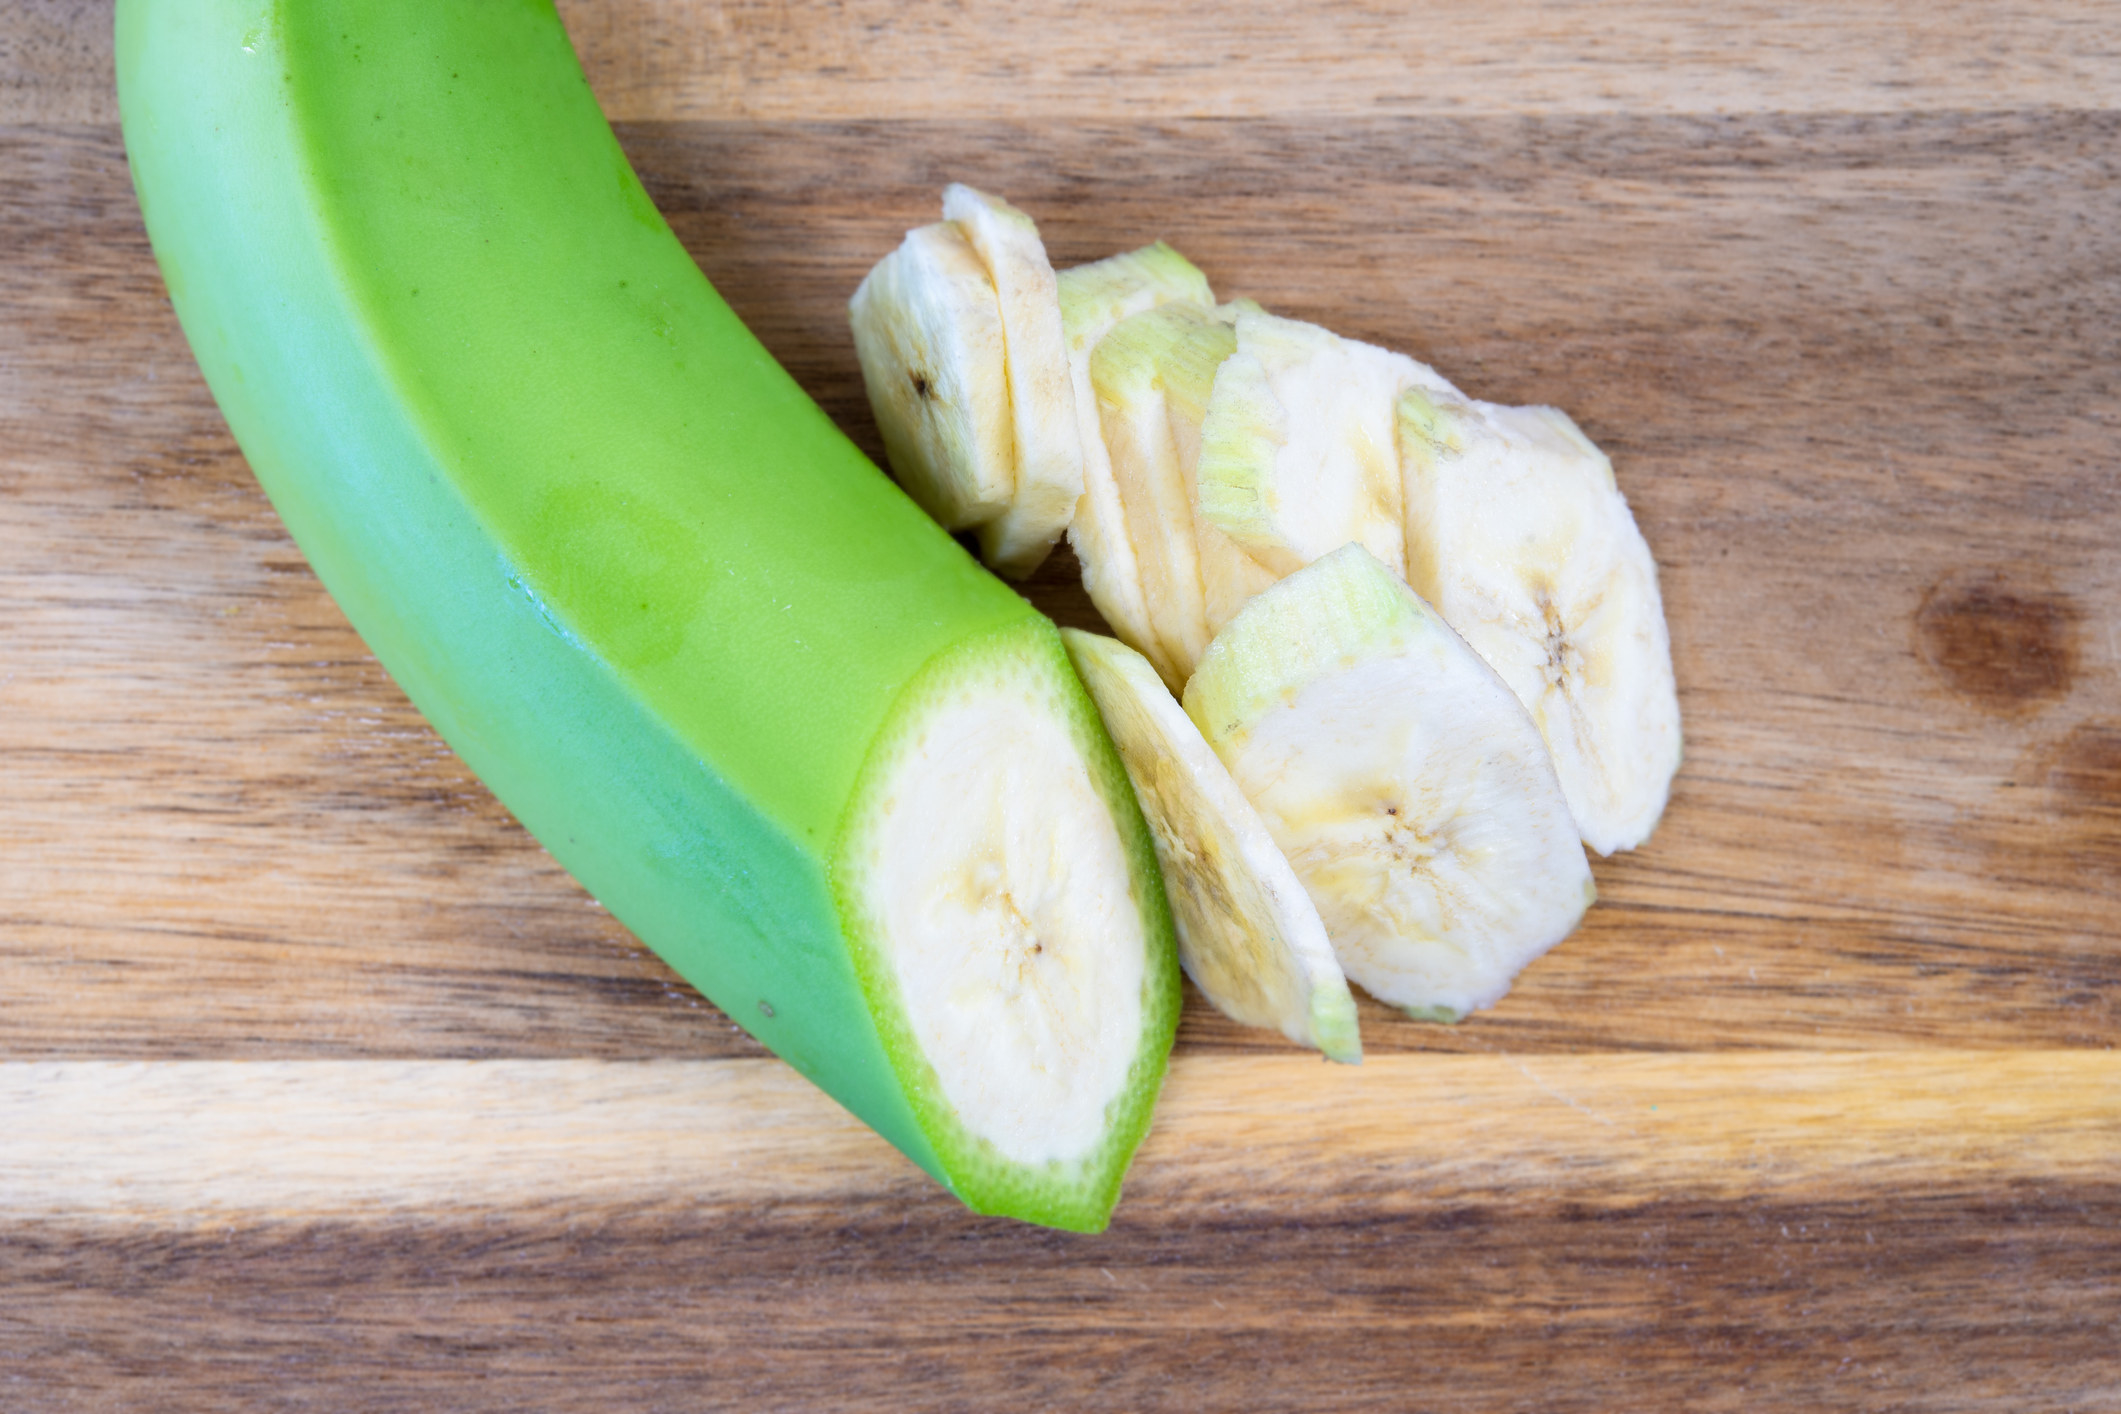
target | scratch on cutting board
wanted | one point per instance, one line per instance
(1569, 1100)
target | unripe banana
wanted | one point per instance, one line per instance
(839, 776)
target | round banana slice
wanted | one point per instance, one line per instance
(1402, 779)
(1248, 935)
(1049, 450)
(1519, 535)
(928, 332)
(1094, 298)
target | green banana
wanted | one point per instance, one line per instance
(841, 778)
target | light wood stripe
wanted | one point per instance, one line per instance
(215, 1140)
(767, 59)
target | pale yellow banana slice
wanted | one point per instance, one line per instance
(1297, 453)
(928, 331)
(1049, 450)
(1152, 376)
(1094, 298)
(1248, 935)
(1519, 535)
(1402, 779)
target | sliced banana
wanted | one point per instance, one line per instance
(1402, 779)
(1248, 935)
(1519, 535)
(1151, 375)
(928, 331)
(1049, 450)
(1094, 298)
(1298, 454)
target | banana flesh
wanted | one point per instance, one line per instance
(1151, 376)
(1248, 935)
(1298, 452)
(1402, 779)
(928, 331)
(1094, 298)
(1049, 450)
(985, 858)
(1519, 535)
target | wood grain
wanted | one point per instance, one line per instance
(204, 1143)
(792, 60)
(321, 1086)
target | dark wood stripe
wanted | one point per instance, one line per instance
(1936, 1302)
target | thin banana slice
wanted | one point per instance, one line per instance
(1151, 375)
(1519, 535)
(1248, 935)
(1402, 779)
(1049, 450)
(928, 331)
(1298, 454)
(1094, 298)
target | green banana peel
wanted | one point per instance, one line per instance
(624, 565)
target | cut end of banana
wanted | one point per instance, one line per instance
(1403, 781)
(928, 331)
(1248, 935)
(1049, 451)
(1518, 533)
(1013, 936)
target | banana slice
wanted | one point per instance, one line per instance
(1093, 298)
(1248, 935)
(1519, 535)
(1137, 372)
(1049, 450)
(1152, 376)
(1402, 779)
(1298, 453)
(928, 331)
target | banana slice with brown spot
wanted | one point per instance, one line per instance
(928, 331)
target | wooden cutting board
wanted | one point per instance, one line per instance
(321, 1085)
